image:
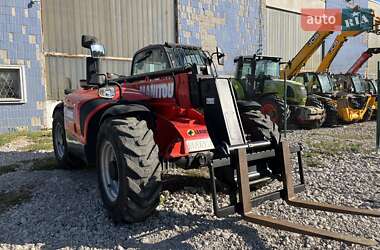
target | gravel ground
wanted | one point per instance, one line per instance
(65, 210)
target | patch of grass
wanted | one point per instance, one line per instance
(355, 148)
(44, 164)
(39, 146)
(309, 154)
(41, 140)
(13, 198)
(312, 163)
(9, 137)
(8, 169)
(333, 147)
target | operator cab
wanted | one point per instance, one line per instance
(162, 57)
(351, 83)
(265, 67)
(252, 72)
(316, 83)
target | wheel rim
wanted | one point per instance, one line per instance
(270, 110)
(59, 139)
(109, 170)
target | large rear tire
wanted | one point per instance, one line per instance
(275, 108)
(129, 170)
(258, 127)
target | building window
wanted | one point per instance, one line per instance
(12, 84)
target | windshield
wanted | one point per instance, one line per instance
(267, 68)
(326, 83)
(371, 85)
(181, 57)
(358, 84)
(375, 85)
(244, 71)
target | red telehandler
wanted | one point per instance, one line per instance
(175, 110)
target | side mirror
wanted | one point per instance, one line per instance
(87, 41)
(91, 43)
(97, 50)
(220, 56)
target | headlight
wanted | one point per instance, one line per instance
(107, 92)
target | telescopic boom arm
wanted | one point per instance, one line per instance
(363, 59)
(295, 65)
(339, 42)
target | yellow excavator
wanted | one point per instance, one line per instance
(292, 71)
(324, 90)
(351, 106)
(358, 84)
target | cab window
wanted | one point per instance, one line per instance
(299, 79)
(311, 83)
(148, 61)
(245, 70)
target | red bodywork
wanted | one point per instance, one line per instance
(363, 59)
(177, 122)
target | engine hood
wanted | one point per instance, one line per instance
(296, 92)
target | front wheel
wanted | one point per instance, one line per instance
(64, 158)
(129, 170)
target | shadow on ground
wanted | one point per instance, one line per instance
(9, 158)
(66, 211)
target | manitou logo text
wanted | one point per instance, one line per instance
(160, 91)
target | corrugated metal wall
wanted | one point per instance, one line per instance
(123, 26)
(284, 37)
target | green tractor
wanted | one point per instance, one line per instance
(257, 78)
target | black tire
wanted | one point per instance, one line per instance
(138, 169)
(258, 127)
(64, 158)
(275, 108)
(368, 115)
(331, 115)
(314, 101)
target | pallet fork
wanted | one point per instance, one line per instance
(222, 119)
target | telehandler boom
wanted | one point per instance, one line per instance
(295, 65)
(363, 59)
(339, 41)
